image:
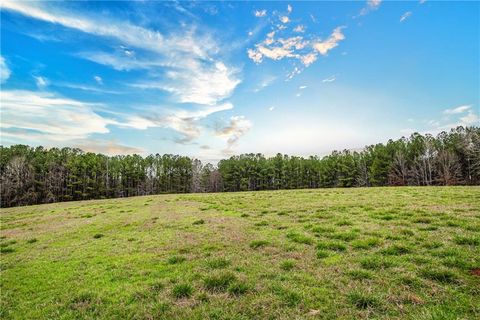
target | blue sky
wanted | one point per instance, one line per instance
(213, 79)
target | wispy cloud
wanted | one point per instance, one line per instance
(372, 5)
(201, 83)
(457, 110)
(54, 117)
(265, 82)
(405, 16)
(4, 70)
(295, 47)
(300, 28)
(41, 82)
(260, 13)
(462, 115)
(237, 127)
(329, 79)
(98, 79)
(323, 47)
(86, 88)
(185, 122)
(193, 72)
(109, 147)
(271, 108)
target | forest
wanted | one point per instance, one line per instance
(35, 175)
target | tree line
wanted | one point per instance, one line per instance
(39, 175)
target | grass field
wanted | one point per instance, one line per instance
(390, 253)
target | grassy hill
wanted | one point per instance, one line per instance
(396, 253)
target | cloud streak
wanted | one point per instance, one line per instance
(238, 126)
(4, 70)
(372, 5)
(405, 16)
(187, 61)
(54, 117)
(457, 110)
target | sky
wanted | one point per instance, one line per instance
(215, 79)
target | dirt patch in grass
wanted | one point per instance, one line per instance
(475, 272)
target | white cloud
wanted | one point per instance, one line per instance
(463, 116)
(255, 55)
(405, 16)
(54, 117)
(324, 46)
(329, 79)
(371, 6)
(86, 88)
(308, 59)
(266, 81)
(271, 108)
(470, 119)
(300, 28)
(285, 19)
(457, 110)
(201, 83)
(185, 122)
(302, 87)
(109, 147)
(237, 127)
(194, 73)
(98, 79)
(422, 1)
(41, 82)
(121, 62)
(289, 8)
(4, 70)
(297, 47)
(260, 13)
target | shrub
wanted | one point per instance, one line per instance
(197, 222)
(97, 236)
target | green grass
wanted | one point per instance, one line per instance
(367, 253)
(182, 291)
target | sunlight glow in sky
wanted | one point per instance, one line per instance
(213, 79)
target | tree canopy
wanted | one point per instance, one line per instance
(34, 175)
